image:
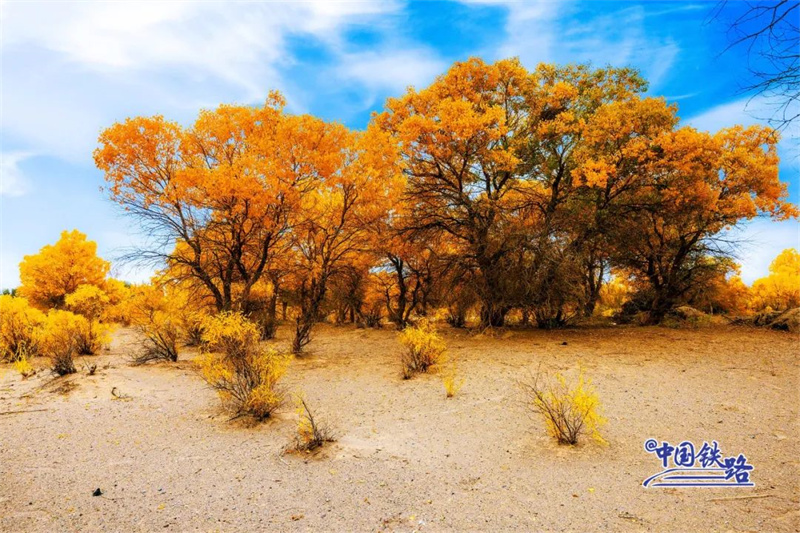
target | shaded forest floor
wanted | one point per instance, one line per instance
(407, 458)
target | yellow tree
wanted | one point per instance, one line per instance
(409, 264)
(217, 198)
(780, 290)
(456, 138)
(676, 191)
(59, 269)
(350, 198)
(489, 153)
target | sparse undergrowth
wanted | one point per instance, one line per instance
(568, 410)
(451, 378)
(23, 366)
(311, 432)
(424, 348)
(244, 374)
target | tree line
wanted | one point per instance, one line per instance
(495, 189)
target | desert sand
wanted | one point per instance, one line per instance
(407, 458)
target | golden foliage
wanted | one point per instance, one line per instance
(614, 293)
(159, 319)
(568, 410)
(118, 308)
(780, 290)
(87, 300)
(23, 367)
(59, 269)
(90, 302)
(244, 375)
(19, 323)
(451, 378)
(311, 433)
(61, 339)
(423, 348)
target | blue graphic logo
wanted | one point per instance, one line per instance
(704, 468)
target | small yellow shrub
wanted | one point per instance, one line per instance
(568, 410)
(60, 338)
(423, 348)
(93, 335)
(244, 375)
(450, 378)
(311, 434)
(159, 321)
(24, 367)
(19, 323)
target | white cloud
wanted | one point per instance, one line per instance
(241, 43)
(72, 68)
(393, 70)
(12, 179)
(531, 28)
(745, 111)
(568, 32)
(723, 116)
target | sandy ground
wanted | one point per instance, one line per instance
(407, 458)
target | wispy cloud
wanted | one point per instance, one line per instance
(570, 32)
(12, 179)
(745, 111)
(242, 46)
(391, 70)
(71, 68)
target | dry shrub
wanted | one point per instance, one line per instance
(423, 348)
(23, 366)
(244, 375)
(568, 411)
(451, 379)
(59, 339)
(160, 323)
(19, 323)
(161, 338)
(92, 336)
(311, 433)
(372, 316)
(63, 363)
(194, 332)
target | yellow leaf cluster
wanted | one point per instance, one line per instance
(244, 375)
(59, 269)
(780, 290)
(19, 323)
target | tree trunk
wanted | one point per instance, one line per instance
(493, 315)
(310, 302)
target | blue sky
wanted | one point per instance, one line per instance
(69, 69)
